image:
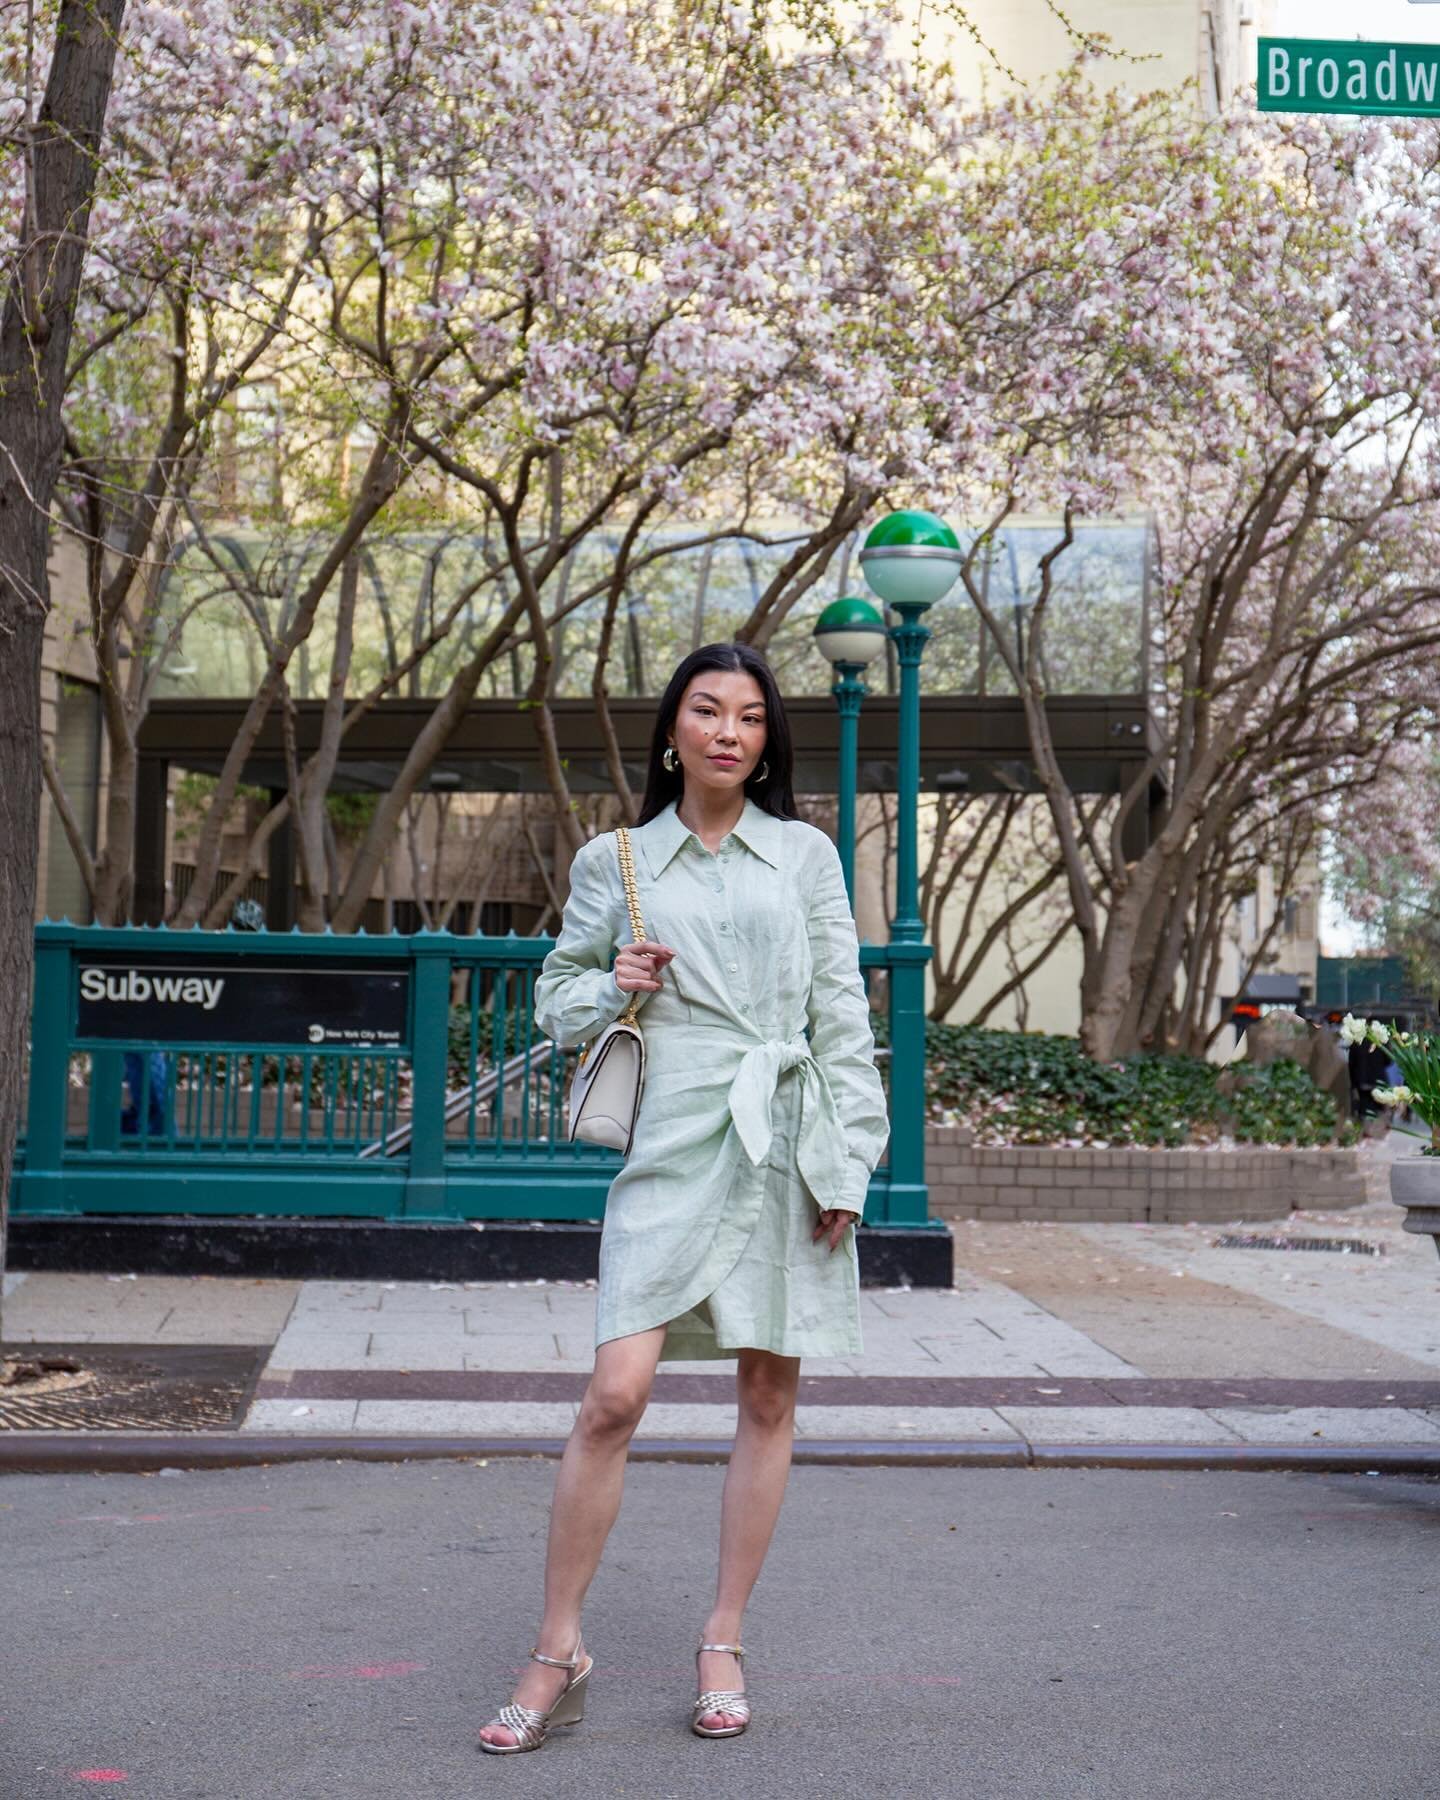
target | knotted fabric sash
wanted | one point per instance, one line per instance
(821, 1149)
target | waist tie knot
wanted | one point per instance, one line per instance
(821, 1149)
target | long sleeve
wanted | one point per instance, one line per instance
(576, 994)
(840, 1031)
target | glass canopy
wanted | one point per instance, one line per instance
(226, 601)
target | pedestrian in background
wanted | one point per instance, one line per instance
(146, 1075)
(729, 1232)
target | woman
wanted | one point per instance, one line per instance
(729, 1230)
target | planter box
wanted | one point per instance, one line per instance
(970, 1181)
(1415, 1185)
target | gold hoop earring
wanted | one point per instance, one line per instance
(669, 758)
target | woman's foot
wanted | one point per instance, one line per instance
(719, 1669)
(539, 1687)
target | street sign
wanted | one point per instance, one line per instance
(188, 1000)
(1342, 75)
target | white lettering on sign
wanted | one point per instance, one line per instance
(1312, 77)
(132, 986)
(1387, 66)
(1345, 75)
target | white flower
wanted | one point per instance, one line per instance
(1352, 1030)
(1396, 1096)
(1379, 1034)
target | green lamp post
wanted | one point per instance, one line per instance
(849, 634)
(910, 560)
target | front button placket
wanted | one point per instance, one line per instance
(729, 862)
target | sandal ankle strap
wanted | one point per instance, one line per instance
(734, 1650)
(560, 1662)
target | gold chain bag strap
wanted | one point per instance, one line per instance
(605, 1088)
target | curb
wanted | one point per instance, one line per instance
(346, 1249)
(56, 1453)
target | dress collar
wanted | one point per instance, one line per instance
(663, 835)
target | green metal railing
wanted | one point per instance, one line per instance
(460, 1115)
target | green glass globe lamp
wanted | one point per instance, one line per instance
(850, 630)
(911, 559)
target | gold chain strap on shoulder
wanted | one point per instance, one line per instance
(627, 875)
(632, 901)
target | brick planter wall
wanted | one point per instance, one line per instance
(969, 1181)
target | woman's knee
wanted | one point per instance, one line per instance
(766, 1390)
(613, 1408)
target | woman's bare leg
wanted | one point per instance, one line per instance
(766, 1387)
(585, 1503)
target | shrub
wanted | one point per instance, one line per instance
(1015, 1087)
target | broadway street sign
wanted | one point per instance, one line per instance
(1339, 75)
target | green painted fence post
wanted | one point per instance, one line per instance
(40, 1188)
(425, 1191)
(107, 1083)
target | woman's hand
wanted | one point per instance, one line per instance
(833, 1223)
(638, 966)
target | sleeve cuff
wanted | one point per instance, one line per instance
(854, 1187)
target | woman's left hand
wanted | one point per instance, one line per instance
(833, 1223)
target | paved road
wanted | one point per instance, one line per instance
(323, 1629)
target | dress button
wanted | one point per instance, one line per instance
(734, 968)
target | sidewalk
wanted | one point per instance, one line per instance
(1055, 1338)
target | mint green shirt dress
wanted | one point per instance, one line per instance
(747, 1129)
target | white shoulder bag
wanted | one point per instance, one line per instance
(605, 1088)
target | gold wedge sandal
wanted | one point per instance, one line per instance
(531, 1726)
(721, 1700)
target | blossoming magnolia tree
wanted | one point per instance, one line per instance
(1383, 859)
(1296, 494)
(767, 283)
(560, 270)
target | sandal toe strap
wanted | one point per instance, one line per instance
(723, 1700)
(525, 1721)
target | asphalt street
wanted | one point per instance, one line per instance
(324, 1630)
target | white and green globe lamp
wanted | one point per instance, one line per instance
(850, 634)
(910, 559)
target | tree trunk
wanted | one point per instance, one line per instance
(385, 474)
(114, 895)
(429, 741)
(35, 331)
(308, 805)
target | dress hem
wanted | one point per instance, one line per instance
(706, 1348)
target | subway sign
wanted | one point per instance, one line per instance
(180, 1000)
(1342, 75)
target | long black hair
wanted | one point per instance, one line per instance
(773, 793)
